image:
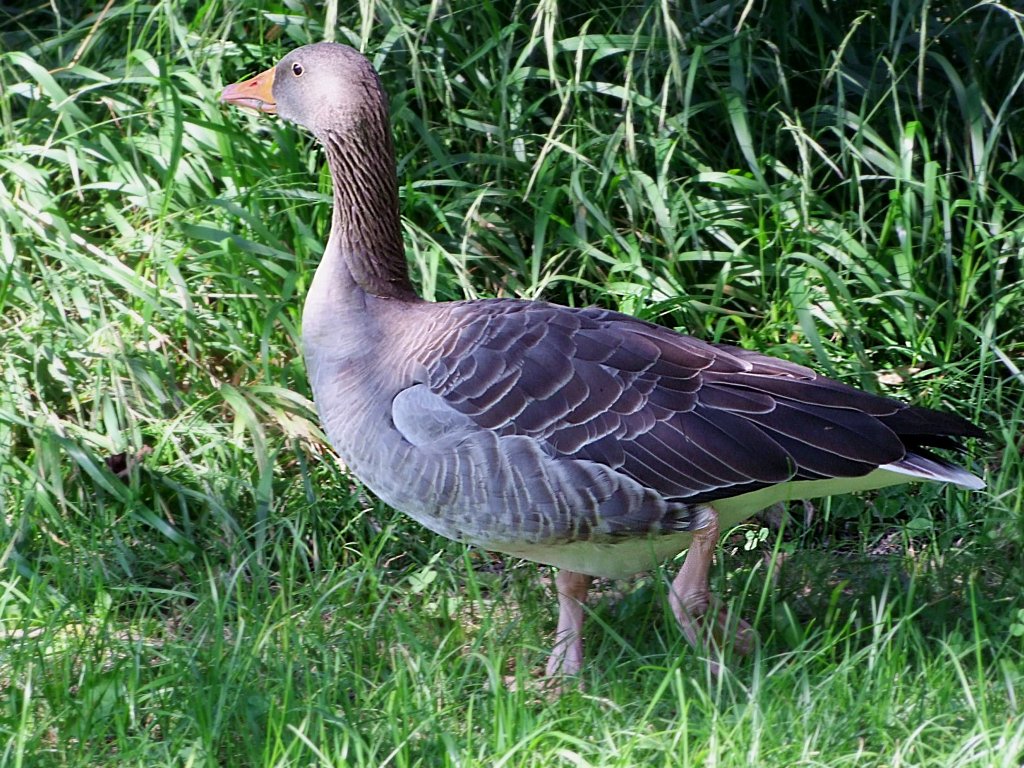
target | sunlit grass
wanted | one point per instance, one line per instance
(189, 578)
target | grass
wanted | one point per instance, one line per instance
(188, 578)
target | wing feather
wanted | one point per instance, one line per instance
(692, 421)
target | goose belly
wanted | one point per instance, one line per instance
(610, 559)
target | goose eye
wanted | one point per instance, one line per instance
(297, 70)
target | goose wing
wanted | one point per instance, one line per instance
(690, 420)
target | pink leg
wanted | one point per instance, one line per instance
(567, 655)
(691, 599)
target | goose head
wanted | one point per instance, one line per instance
(327, 88)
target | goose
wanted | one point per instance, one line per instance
(580, 438)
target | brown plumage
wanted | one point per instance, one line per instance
(582, 438)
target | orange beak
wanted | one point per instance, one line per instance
(255, 93)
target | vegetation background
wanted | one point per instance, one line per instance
(189, 578)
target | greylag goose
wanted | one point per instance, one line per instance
(581, 438)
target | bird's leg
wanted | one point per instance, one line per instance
(567, 655)
(691, 599)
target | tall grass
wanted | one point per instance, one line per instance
(190, 578)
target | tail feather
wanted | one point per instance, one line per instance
(922, 428)
(914, 465)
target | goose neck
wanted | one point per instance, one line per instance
(365, 226)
